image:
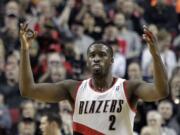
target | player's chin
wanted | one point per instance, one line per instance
(96, 71)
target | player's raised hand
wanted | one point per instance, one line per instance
(150, 39)
(26, 36)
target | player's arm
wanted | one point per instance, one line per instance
(159, 89)
(49, 92)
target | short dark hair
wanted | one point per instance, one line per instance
(101, 43)
(53, 117)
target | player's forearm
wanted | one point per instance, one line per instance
(26, 79)
(160, 75)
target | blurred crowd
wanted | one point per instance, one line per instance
(65, 29)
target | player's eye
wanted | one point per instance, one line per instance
(102, 54)
(91, 55)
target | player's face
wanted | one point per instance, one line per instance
(99, 59)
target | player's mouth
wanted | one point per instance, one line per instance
(96, 66)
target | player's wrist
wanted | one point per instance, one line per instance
(154, 50)
(155, 53)
(24, 45)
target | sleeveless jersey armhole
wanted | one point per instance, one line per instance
(75, 92)
(127, 97)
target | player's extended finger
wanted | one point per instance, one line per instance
(26, 27)
(146, 28)
(21, 30)
(148, 32)
(21, 27)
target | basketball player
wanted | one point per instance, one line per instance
(102, 104)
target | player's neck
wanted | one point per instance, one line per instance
(102, 84)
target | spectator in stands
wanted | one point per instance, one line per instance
(176, 47)
(5, 118)
(89, 26)
(117, 70)
(75, 60)
(26, 127)
(9, 33)
(54, 64)
(165, 108)
(28, 109)
(13, 7)
(175, 88)
(134, 15)
(130, 42)
(10, 88)
(82, 41)
(154, 120)
(174, 122)
(65, 111)
(51, 124)
(58, 74)
(99, 14)
(134, 71)
(110, 33)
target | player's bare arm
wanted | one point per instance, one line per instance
(49, 92)
(151, 91)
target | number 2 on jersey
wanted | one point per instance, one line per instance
(112, 119)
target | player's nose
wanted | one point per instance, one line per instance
(96, 58)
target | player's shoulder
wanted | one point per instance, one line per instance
(72, 86)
